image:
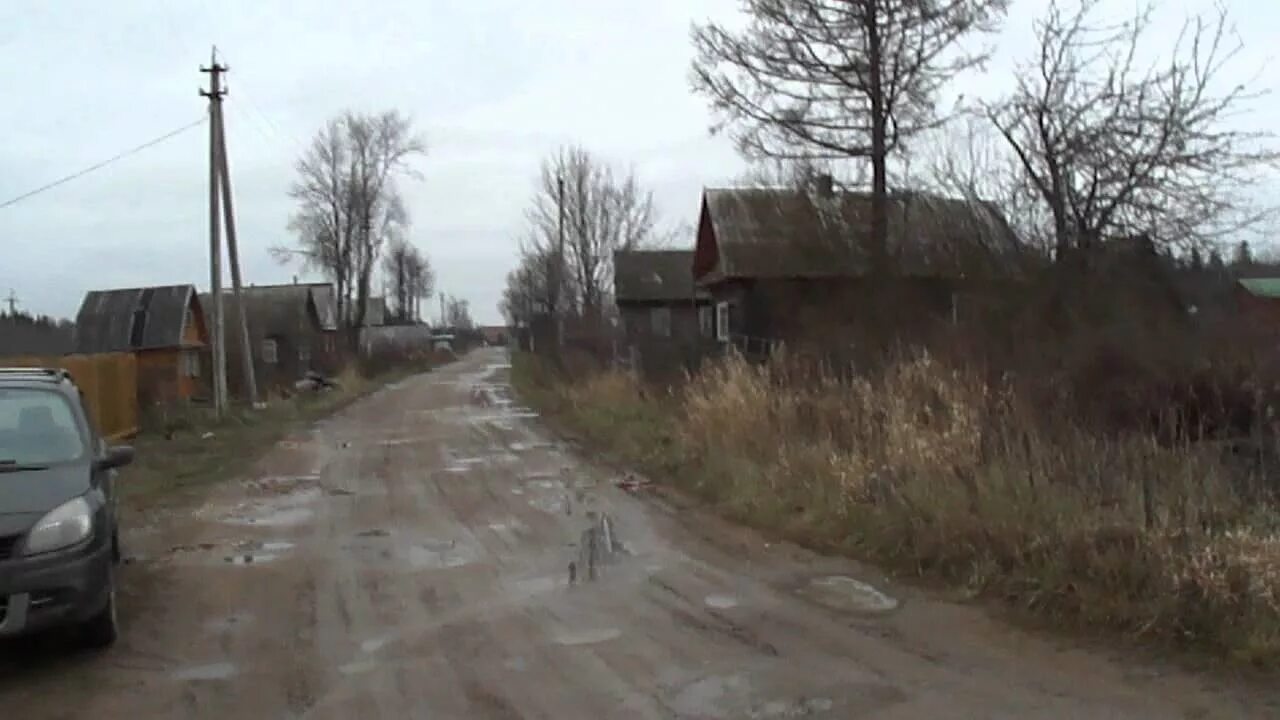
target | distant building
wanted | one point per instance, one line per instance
(495, 334)
(164, 326)
(666, 320)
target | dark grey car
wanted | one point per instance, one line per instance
(59, 543)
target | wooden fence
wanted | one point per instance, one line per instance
(110, 385)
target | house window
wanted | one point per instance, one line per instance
(270, 351)
(661, 319)
(722, 321)
(706, 321)
(190, 363)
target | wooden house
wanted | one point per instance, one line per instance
(785, 264)
(163, 326)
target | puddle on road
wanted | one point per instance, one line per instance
(394, 442)
(439, 555)
(257, 553)
(587, 637)
(599, 546)
(212, 671)
(228, 624)
(721, 602)
(807, 707)
(358, 667)
(373, 645)
(284, 511)
(706, 696)
(844, 593)
(260, 558)
(530, 587)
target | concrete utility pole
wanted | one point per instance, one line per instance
(560, 264)
(220, 195)
(215, 243)
(233, 252)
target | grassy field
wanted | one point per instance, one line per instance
(935, 475)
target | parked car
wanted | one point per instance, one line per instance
(59, 542)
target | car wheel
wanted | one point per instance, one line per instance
(101, 630)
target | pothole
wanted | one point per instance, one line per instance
(284, 511)
(599, 546)
(844, 593)
(720, 602)
(212, 671)
(439, 555)
(588, 636)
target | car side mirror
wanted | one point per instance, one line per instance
(116, 456)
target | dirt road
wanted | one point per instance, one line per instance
(411, 558)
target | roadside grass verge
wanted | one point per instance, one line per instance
(934, 474)
(191, 450)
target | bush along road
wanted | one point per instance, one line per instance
(432, 551)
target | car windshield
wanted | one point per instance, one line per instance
(37, 427)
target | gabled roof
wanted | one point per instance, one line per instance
(133, 318)
(763, 232)
(653, 275)
(281, 309)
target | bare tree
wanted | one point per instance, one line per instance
(458, 314)
(409, 274)
(348, 202)
(967, 158)
(1113, 146)
(602, 211)
(528, 293)
(837, 79)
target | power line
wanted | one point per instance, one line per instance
(99, 166)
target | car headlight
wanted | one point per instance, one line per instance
(64, 526)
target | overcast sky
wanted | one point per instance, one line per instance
(493, 85)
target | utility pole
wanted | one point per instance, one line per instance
(215, 243)
(560, 268)
(13, 303)
(233, 253)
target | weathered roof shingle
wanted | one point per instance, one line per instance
(758, 232)
(653, 275)
(133, 318)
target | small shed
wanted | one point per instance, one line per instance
(163, 326)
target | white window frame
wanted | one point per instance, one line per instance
(660, 321)
(190, 363)
(270, 351)
(722, 321)
(706, 321)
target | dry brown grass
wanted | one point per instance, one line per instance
(935, 473)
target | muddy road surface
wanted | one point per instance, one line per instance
(432, 552)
